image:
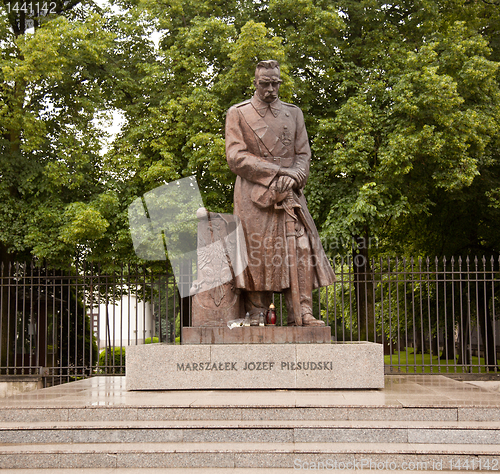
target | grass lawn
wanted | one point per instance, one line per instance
(409, 363)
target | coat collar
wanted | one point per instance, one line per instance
(262, 107)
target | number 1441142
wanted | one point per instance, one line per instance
(31, 8)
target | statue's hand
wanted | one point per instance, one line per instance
(284, 184)
(298, 175)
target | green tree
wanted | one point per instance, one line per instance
(57, 82)
(417, 117)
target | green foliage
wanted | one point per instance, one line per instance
(151, 340)
(401, 102)
(56, 86)
(408, 362)
(417, 122)
(112, 361)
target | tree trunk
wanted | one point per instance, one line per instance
(449, 344)
(363, 284)
(417, 345)
(434, 345)
(486, 328)
(464, 355)
(449, 330)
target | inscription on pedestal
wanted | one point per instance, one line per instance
(254, 366)
(258, 365)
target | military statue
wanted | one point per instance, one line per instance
(268, 149)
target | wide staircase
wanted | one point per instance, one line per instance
(310, 435)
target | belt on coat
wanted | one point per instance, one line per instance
(283, 161)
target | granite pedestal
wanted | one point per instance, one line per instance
(255, 366)
(257, 335)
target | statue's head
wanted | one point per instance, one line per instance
(267, 80)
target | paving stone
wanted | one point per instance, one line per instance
(33, 414)
(248, 455)
(479, 414)
(436, 436)
(102, 414)
(128, 436)
(58, 461)
(241, 435)
(350, 435)
(182, 460)
(96, 425)
(159, 413)
(294, 413)
(403, 414)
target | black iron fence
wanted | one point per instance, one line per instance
(432, 316)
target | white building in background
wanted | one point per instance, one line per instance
(127, 322)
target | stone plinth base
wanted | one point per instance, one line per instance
(14, 384)
(255, 366)
(256, 335)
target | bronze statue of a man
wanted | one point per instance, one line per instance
(268, 149)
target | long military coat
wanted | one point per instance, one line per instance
(261, 138)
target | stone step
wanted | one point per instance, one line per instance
(299, 456)
(152, 470)
(191, 470)
(247, 413)
(252, 431)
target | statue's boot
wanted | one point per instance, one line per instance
(305, 308)
(310, 320)
(306, 287)
(306, 277)
(307, 320)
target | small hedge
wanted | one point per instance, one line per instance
(149, 341)
(112, 361)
